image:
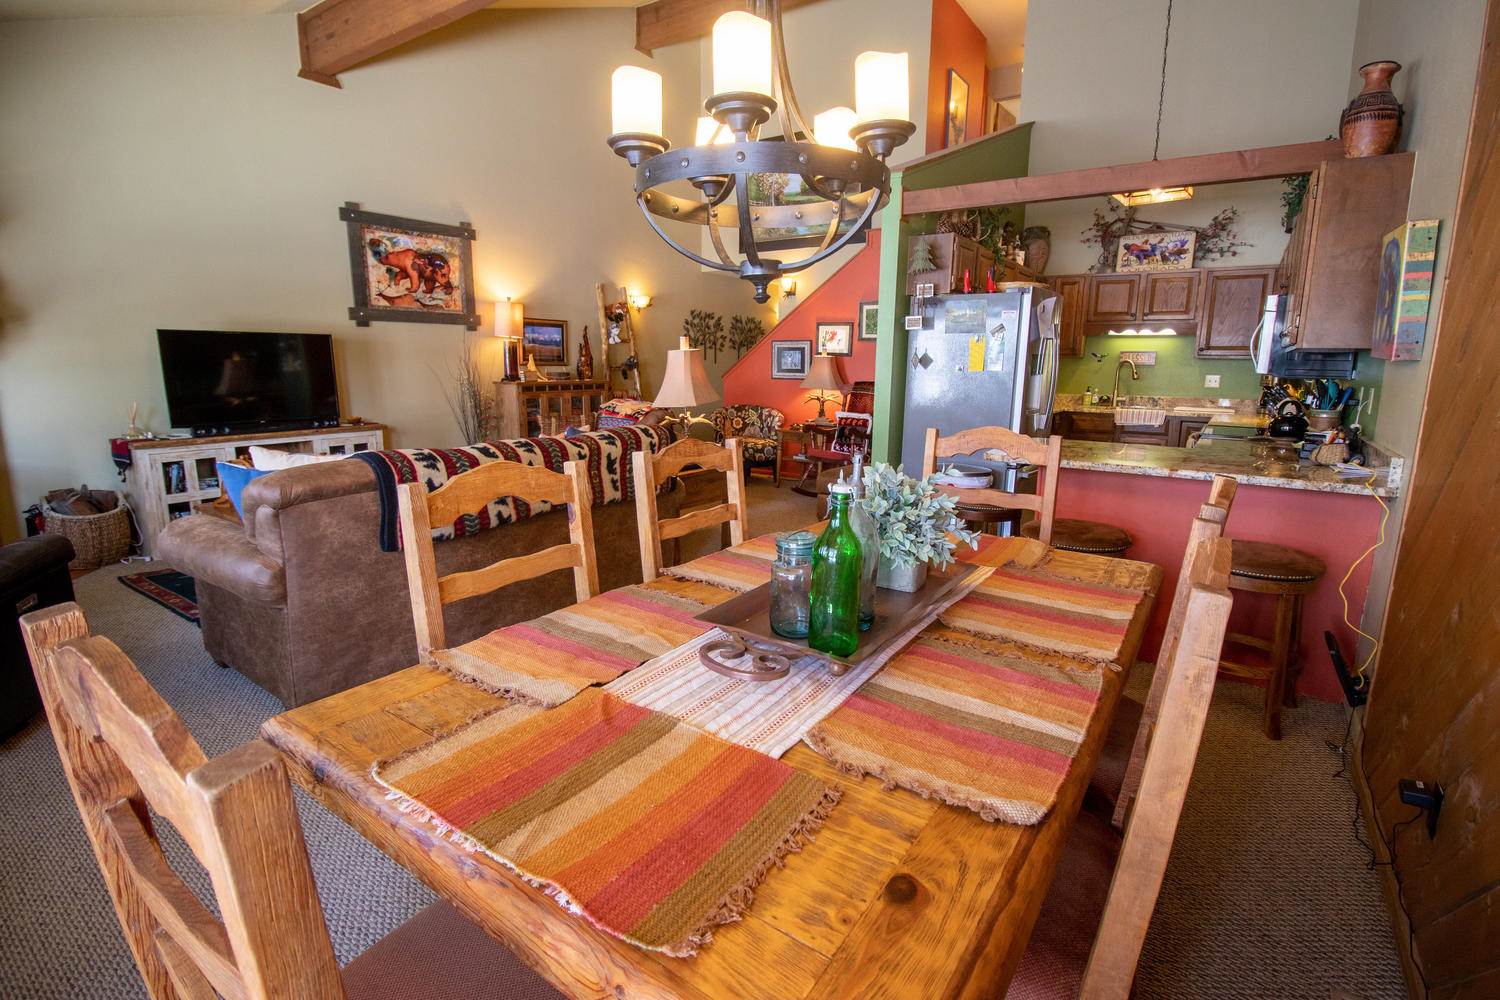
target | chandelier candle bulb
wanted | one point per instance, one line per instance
(881, 87)
(831, 128)
(636, 101)
(710, 132)
(742, 54)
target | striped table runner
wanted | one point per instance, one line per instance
(967, 723)
(549, 659)
(649, 829)
(769, 716)
(1051, 612)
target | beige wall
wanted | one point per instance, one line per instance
(1438, 47)
(174, 172)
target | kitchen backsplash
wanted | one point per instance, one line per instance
(1177, 372)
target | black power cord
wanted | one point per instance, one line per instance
(1389, 844)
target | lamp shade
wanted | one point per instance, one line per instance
(824, 374)
(636, 101)
(742, 54)
(508, 318)
(686, 381)
(831, 128)
(881, 84)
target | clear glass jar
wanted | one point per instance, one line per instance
(791, 584)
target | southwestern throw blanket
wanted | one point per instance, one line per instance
(649, 829)
(606, 452)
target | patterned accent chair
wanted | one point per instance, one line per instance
(759, 431)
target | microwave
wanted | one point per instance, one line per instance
(1273, 354)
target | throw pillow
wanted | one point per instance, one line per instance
(234, 478)
(271, 459)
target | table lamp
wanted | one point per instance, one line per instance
(823, 378)
(509, 319)
(686, 381)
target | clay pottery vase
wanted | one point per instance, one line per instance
(1371, 124)
(1037, 242)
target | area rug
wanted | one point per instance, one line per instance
(651, 830)
(170, 588)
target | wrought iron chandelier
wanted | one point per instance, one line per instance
(840, 159)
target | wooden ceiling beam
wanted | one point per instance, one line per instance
(336, 35)
(1210, 168)
(666, 22)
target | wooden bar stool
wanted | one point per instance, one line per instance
(1268, 568)
(1093, 537)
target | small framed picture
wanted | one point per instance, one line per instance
(790, 358)
(957, 127)
(868, 313)
(546, 340)
(1171, 251)
(836, 339)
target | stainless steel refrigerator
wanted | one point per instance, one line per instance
(982, 360)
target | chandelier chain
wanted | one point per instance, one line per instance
(1161, 97)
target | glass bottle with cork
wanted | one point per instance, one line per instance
(837, 562)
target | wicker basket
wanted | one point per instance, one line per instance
(97, 538)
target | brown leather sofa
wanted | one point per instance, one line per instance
(301, 599)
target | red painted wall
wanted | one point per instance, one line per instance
(956, 44)
(1335, 527)
(834, 301)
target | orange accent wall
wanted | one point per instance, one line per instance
(957, 43)
(834, 301)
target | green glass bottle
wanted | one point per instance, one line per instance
(833, 626)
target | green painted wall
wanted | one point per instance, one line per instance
(1178, 371)
(1004, 154)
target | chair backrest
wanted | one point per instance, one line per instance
(1169, 767)
(861, 398)
(1207, 526)
(851, 435)
(468, 493)
(652, 470)
(1045, 455)
(124, 750)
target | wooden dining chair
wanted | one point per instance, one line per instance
(129, 758)
(468, 493)
(1045, 455)
(1117, 775)
(1088, 936)
(651, 471)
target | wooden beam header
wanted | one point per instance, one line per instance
(336, 35)
(1209, 168)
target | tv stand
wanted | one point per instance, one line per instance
(169, 476)
(269, 427)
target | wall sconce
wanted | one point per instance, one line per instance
(639, 300)
(788, 289)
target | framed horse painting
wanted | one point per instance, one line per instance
(410, 271)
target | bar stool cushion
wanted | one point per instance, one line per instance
(439, 955)
(1073, 535)
(1272, 562)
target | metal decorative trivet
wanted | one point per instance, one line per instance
(764, 662)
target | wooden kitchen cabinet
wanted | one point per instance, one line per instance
(1180, 429)
(1084, 426)
(954, 255)
(1332, 266)
(1169, 295)
(1234, 301)
(1070, 289)
(1141, 435)
(1112, 298)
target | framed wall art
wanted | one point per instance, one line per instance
(869, 312)
(1405, 291)
(836, 339)
(790, 358)
(410, 271)
(1168, 251)
(546, 340)
(957, 127)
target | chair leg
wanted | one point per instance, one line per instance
(1280, 653)
(1294, 656)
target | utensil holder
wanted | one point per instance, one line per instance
(1324, 420)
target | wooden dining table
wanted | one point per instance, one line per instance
(897, 896)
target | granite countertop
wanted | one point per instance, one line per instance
(1217, 458)
(1241, 412)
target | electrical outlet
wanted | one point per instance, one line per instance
(1210, 381)
(1428, 798)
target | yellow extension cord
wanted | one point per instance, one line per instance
(1385, 516)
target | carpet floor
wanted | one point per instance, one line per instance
(1268, 893)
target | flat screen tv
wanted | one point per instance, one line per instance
(225, 382)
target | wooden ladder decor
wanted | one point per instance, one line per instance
(627, 327)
